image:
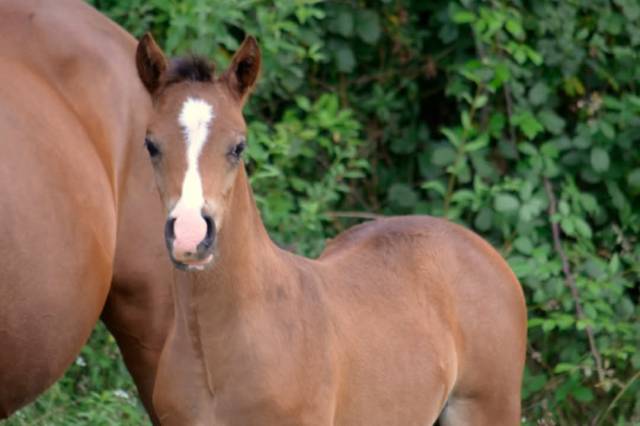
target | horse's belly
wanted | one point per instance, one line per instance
(58, 228)
(406, 387)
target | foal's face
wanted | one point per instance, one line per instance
(196, 139)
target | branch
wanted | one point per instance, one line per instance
(355, 215)
(570, 280)
(626, 386)
(509, 104)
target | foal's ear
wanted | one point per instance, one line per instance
(244, 69)
(151, 62)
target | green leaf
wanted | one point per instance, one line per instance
(633, 179)
(549, 149)
(481, 142)
(564, 367)
(535, 57)
(630, 8)
(463, 17)
(343, 23)
(523, 245)
(443, 156)
(402, 196)
(435, 185)
(583, 394)
(506, 203)
(453, 135)
(614, 264)
(599, 160)
(535, 383)
(548, 325)
(582, 227)
(368, 26)
(568, 226)
(607, 129)
(496, 123)
(590, 311)
(551, 121)
(484, 219)
(345, 60)
(501, 75)
(528, 124)
(539, 93)
(515, 28)
(480, 101)
(303, 103)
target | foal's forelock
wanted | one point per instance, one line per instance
(195, 120)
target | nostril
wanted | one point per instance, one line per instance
(211, 227)
(210, 235)
(169, 230)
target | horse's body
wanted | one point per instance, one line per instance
(398, 317)
(400, 321)
(72, 118)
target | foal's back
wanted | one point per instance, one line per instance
(423, 304)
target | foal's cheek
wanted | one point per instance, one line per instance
(159, 185)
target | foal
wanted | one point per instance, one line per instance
(400, 320)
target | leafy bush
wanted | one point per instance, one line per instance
(513, 118)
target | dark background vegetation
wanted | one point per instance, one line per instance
(519, 119)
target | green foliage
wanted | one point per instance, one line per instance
(302, 166)
(461, 109)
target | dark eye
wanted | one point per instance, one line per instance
(237, 150)
(152, 148)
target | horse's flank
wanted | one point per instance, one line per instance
(72, 113)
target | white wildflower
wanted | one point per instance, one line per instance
(81, 362)
(121, 394)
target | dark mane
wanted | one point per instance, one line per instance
(191, 68)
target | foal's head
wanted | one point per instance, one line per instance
(195, 140)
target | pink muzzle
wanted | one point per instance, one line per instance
(190, 236)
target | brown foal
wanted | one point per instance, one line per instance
(401, 321)
(76, 230)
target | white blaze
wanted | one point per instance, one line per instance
(195, 119)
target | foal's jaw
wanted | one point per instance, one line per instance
(195, 265)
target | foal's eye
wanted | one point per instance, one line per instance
(237, 150)
(152, 148)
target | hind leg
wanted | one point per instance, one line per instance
(499, 409)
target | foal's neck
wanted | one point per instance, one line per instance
(247, 267)
(246, 258)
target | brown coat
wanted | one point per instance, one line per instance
(397, 318)
(72, 119)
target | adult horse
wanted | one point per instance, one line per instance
(399, 321)
(72, 118)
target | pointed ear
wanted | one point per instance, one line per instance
(151, 62)
(244, 69)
